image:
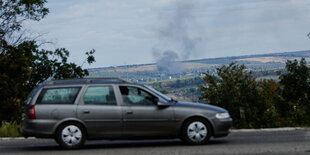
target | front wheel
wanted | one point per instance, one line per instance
(196, 131)
(70, 136)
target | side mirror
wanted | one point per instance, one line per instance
(156, 100)
(162, 105)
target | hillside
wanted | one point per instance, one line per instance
(193, 68)
(184, 85)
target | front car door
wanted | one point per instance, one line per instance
(100, 111)
(142, 116)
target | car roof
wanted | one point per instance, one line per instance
(88, 81)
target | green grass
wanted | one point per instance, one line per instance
(11, 129)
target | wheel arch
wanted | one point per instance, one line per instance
(197, 117)
(73, 120)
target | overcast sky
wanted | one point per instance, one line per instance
(125, 32)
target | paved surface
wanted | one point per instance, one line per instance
(238, 142)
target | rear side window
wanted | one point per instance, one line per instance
(58, 95)
(100, 95)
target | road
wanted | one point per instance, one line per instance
(238, 142)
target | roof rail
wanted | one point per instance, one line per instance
(111, 79)
(87, 80)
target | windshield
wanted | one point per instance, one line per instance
(158, 93)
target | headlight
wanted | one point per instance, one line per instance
(222, 115)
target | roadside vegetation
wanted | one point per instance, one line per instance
(12, 129)
(261, 103)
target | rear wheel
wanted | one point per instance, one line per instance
(70, 135)
(196, 131)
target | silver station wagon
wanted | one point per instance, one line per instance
(73, 111)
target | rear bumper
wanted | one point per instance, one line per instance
(221, 127)
(30, 133)
(38, 128)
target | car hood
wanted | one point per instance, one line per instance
(200, 106)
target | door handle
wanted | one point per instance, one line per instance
(129, 112)
(86, 112)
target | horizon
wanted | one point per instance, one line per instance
(154, 63)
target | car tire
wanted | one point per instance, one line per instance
(71, 135)
(196, 131)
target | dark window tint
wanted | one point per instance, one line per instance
(58, 95)
(136, 96)
(103, 95)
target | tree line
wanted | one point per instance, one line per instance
(262, 103)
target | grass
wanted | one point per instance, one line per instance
(11, 129)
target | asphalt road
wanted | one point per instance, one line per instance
(238, 142)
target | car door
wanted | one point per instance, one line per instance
(142, 116)
(100, 111)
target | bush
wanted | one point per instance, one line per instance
(237, 91)
(10, 129)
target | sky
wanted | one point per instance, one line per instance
(125, 32)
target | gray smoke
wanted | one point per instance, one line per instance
(167, 62)
(176, 32)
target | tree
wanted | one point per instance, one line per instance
(236, 90)
(251, 103)
(24, 66)
(296, 89)
(22, 63)
(14, 12)
(275, 106)
(296, 82)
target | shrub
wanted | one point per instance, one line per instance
(10, 129)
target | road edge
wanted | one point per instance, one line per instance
(232, 130)
(270, 129)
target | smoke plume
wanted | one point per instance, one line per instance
(176, 38)
(167, 62)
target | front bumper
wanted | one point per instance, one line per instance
(221, 127)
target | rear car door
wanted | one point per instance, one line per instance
(142, 116)
(100, 111)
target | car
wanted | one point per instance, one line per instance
(75, 110)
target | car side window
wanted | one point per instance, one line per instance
(58, 95)
(136, 96)
(100, 95)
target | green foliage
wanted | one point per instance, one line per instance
(13, 129)
(14, 12)
(263, 103)
(235, 90)
(296, 91)
(296, 83)
(23, 67)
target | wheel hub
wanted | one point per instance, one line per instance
(197, 131)
(71, 135)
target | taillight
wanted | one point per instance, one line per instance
(32, 112)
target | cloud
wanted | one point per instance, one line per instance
(221, 28)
